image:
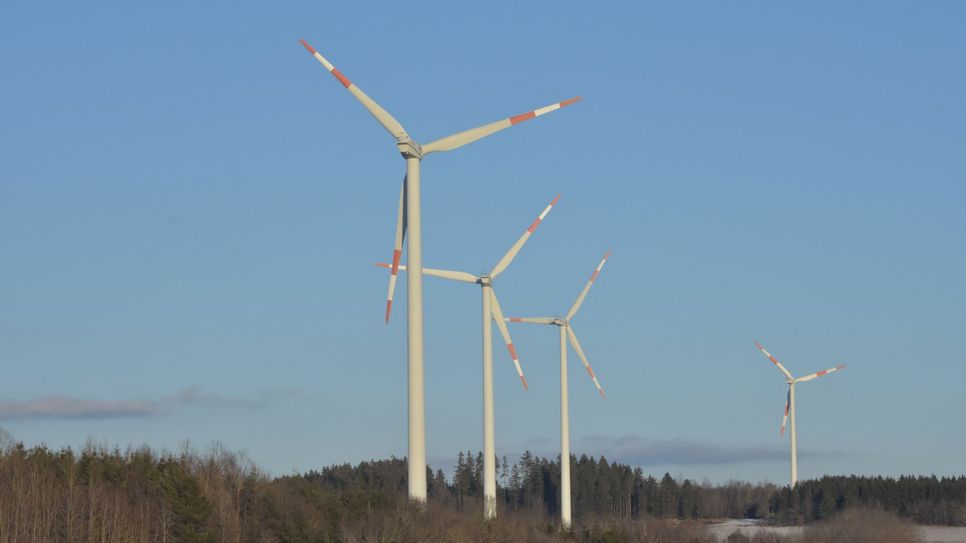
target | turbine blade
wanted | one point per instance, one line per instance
(819, 374)
(385, 119)
(512, 253)
(580, 352)
(774, 361)
(788, 400)
(444, 274)
(501, 324)
(583, 294)
(532, 320)
(469, 136)
(401, 220)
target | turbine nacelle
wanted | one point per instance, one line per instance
(409, 148)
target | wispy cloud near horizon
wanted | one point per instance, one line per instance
(636, 450)
(69, 407)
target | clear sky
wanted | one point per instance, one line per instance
(190, 207)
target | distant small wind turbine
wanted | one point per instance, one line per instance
(491, 311)
(567, 333)
(790, 403)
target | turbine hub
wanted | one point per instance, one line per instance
(409, 148)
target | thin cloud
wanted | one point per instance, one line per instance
(194, 396)
(636, 450)
(68, 407)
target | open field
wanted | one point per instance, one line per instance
(751, 528)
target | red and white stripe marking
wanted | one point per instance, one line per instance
(785, 418)
(328, 65)
(590, 371)
(511, 254)
(516, 362)
(516, 319)
(593, 276)
(768, 354)
(516, 119)
(393, 275)
(542, 215)
(773, 360)
(819, 373)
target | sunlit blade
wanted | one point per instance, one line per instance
(397, 247)
(788, 400)
(580, 352)
(583, 294)
(774, 360)
(532, 320)
(469, 136)
(819, 374)
(444, 274)
(381, 115)
(509, 256)
(501, 324)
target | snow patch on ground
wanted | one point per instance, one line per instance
(750, 527)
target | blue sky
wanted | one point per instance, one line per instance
(190, 206)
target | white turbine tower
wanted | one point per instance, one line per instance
(491, 312)
(567, 333)
(790, 403)
(409, 217)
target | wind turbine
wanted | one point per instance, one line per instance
(409, 218)
(491, 311)
(790, 403)
(567, 333)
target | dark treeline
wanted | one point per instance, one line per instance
(100, 494)
(925, 500)
(610, 489)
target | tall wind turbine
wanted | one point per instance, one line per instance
(491, 311)
(790, 403)
(409, 218)
(567, 333)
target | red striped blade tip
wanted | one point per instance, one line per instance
(525, 385)
(573, 100)
(555, 200)
(381, 264)
(388, 310)
(306, 45)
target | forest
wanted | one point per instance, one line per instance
(102, 494)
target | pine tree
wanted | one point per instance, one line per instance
(668, 497)
(190, 509)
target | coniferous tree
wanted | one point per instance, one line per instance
(667, 497)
